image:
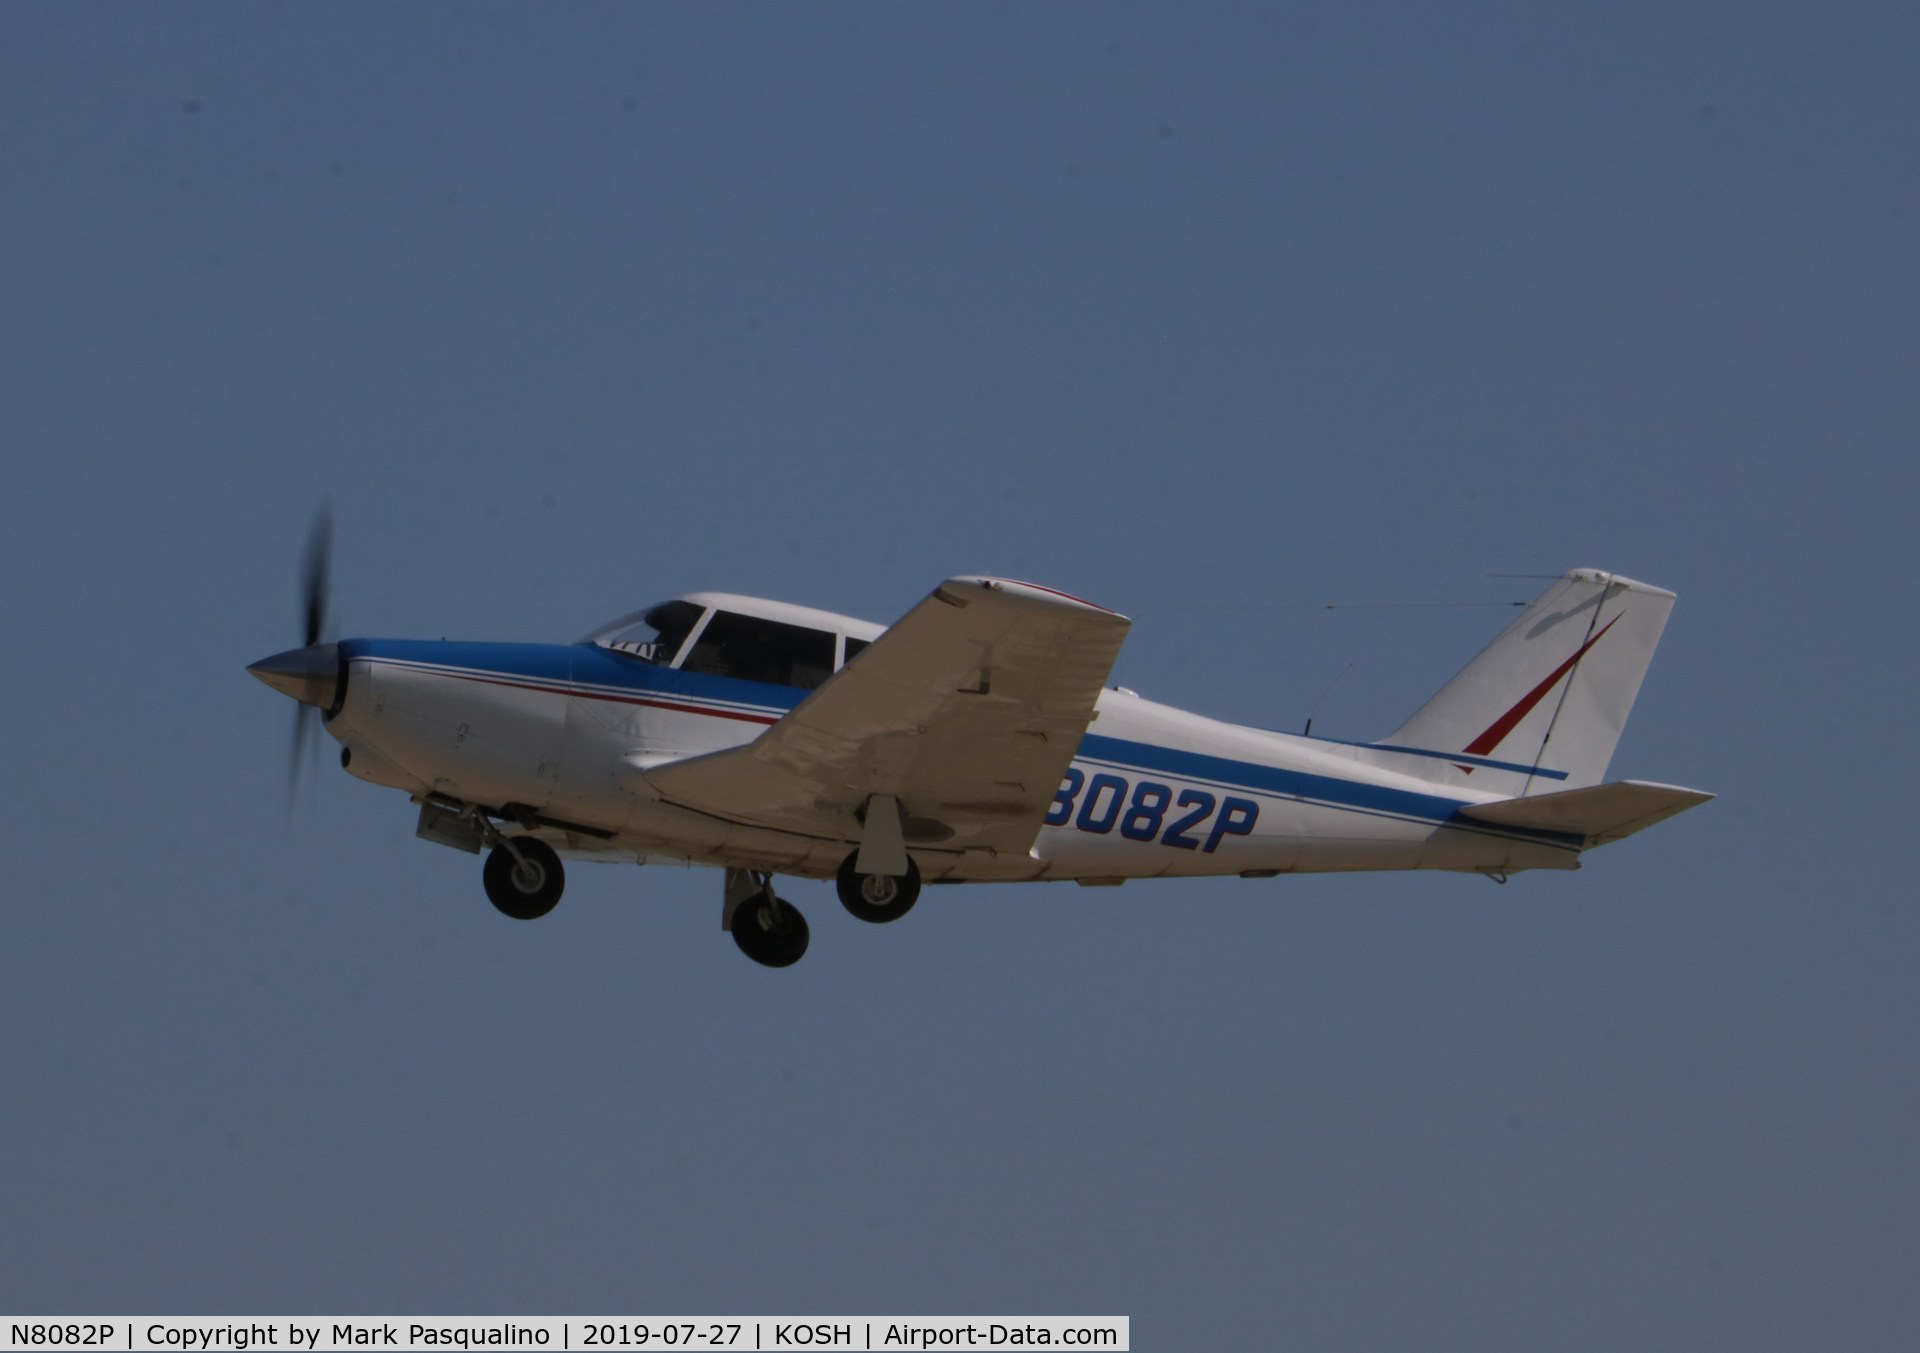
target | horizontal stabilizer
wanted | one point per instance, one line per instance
(1601, 813)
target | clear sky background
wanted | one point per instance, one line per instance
(1216, 315)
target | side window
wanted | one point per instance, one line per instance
(762, 650)
(854, 646)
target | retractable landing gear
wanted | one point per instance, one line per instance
(524, 878)
(769, 929)
(878, 898)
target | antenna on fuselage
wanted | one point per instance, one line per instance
(1314, 708)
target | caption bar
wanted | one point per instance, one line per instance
(747, 1334)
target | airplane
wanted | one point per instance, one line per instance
(974, 740)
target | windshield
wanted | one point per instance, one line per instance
(656, 636)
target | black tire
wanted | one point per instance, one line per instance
(770, 931)
(528, 891)
(878, 898)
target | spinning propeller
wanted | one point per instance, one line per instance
(310, 673)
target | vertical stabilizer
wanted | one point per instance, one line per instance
(1542, 707)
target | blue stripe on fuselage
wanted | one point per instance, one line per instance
(1458, 758)
(598, 667)
(1330, 790)
(571, 666)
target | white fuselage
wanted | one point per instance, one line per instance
(561, 736)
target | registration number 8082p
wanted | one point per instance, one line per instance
(1146, 810)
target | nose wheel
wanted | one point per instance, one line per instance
(524, 878)
(770, 930)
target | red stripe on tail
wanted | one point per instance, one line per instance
(1497, 730)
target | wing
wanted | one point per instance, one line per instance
(967, 712)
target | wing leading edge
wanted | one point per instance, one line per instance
(967, 712)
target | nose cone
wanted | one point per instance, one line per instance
(310, 675)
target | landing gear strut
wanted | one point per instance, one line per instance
(769, 929)
(524, 878)
(878, 898)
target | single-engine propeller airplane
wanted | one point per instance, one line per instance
(974, 740)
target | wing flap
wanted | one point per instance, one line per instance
(1601, 813)
(967, 711)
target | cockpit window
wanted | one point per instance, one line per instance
(752, 649)
(659, 634)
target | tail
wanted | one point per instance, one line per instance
(1542, 707)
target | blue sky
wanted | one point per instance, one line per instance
(1215, 315)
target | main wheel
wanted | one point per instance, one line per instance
(878, 898)
(770, 930)
(527, 888)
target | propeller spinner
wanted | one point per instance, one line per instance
(310, 673)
